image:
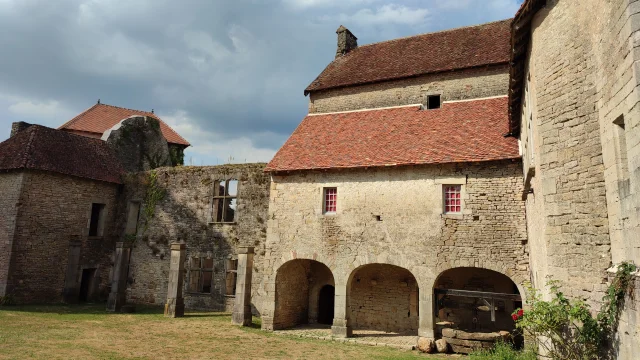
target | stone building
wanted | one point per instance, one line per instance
(574, 104)
(58, 202)
(399, 193)
(99, 118)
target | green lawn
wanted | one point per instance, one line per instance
(88, 332)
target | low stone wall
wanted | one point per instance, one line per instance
(463, 342)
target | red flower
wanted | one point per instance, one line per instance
(520, 312)
(514, 317)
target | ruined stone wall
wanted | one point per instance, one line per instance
(183, 214)
(458, 85)
(384, 297)
(395, 216)
(55, 210)
(10, 188)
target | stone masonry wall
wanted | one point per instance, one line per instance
(458, 85)
(54, 210)
(10, 188)
(384, 297)
(395, 216)
(569, 186)
(293, 296)
(584, 214)
(183, 215)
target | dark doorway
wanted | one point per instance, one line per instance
(325, 305)
(86, 284)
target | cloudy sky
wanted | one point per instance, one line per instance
(227, 75)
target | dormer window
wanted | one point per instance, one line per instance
(433, 102)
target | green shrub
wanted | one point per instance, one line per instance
(566, 329)
(503, 351)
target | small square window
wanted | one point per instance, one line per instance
(452, 199)
(330, 200)
(433, 102)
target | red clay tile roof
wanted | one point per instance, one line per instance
(468, 47)
(101, 117)
(467, 131)
(42, 148)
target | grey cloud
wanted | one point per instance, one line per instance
(235, 68)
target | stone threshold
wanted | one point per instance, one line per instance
(362, 339)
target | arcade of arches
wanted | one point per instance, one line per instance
(386, 298)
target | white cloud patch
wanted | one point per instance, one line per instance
(384, 15)
(306, 4)
(48, 112)
(211, 148)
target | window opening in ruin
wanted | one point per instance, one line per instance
(232, 272)
(433, 102)
(132, 218)
(621, 149)
(200, 275)
(225, 197)
(330, 200)
(86, 284)
(326, 301)
(96, 224)
(452, 199)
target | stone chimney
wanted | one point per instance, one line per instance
(16, 127)
(346, 41)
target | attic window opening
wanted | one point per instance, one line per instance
(433, 102)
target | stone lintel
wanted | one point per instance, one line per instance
(245, 250)
(178, 246)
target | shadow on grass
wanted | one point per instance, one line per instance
(100, 309)
(209, 314)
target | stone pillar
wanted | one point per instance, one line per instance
(242, 307)
(341, 325)
(175, 303)
(425, 325)
(117, 297)
(269, 308)
(71, 284)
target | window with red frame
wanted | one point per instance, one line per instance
(452, 200)
(330, 200)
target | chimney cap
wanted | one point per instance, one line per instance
(343, 29)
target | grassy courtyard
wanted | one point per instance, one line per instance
(88, 332)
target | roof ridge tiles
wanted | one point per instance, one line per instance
(468, 47)
(433, 33)
(27, 150)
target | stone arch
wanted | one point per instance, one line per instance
(297, 287)
(518, 278)
(473, 313)
(383, 297)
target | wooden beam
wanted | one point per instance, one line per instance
(478, 294)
